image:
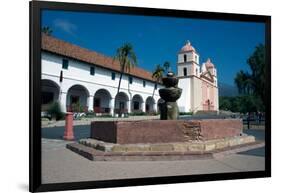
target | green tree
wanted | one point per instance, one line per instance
(225, 103)
(248, 103)
(127, 60)
(252, 84)
(257, 64)
(47, 30)
(55, 111)
(157, 74)
(243, 82)
(242, 104)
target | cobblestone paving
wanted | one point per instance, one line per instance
(61, 165)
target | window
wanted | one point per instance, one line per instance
(184, 71)
(143, 83)
(155, 86)
(112, 75)
(65, 64)
(130, 79)
(92, 70)
(196, 71)
(196, 58)
(184, 58)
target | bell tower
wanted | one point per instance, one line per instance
(209, 66)
(188, 61)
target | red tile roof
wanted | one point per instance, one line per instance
(209, 64)
(187, 48)
(66, 49)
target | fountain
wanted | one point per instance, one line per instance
(164, 139)
(170, 94)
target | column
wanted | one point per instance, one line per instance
(129, 106)
(111, 106)
(63, 97)
(90, 102)
(143, 106)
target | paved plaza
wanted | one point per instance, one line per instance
(87, 121)
(62, 165)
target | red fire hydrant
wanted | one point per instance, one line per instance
(68, 132)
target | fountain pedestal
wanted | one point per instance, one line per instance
(169, 111)
(164, 131)
(170, 94)
(165, 139)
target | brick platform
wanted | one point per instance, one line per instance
(165, 131)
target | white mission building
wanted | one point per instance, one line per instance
(73, 75)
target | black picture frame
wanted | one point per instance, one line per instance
(35, 95)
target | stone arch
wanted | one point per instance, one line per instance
(137, 103)
(77, 98)
(149, 105)
(101, 101)
(50, 92)
(121, 103)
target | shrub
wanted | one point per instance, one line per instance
(106, 116)
(137, 113)
(76, 107)
(55, 111)
(186, 113)
(44, 119)
(90, 114)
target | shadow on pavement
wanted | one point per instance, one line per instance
(81, 131)
(255, 152)
(259, 135)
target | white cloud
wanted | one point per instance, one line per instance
(65, 26)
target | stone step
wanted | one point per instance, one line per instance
(96, 155)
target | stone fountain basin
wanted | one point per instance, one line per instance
(170, 94)
(164, 131)
(170, 81)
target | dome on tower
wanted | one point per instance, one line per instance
(187, 47)
(209, 64)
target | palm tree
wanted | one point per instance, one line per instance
(244, 82)
(166, 66)
(127, 60)
(239, 81)
(47, 30)
(157, 74)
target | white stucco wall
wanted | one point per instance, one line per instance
(184, 101)
(78, 73)
(190, 56)
(191, 64)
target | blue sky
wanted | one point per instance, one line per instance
(159, 39)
